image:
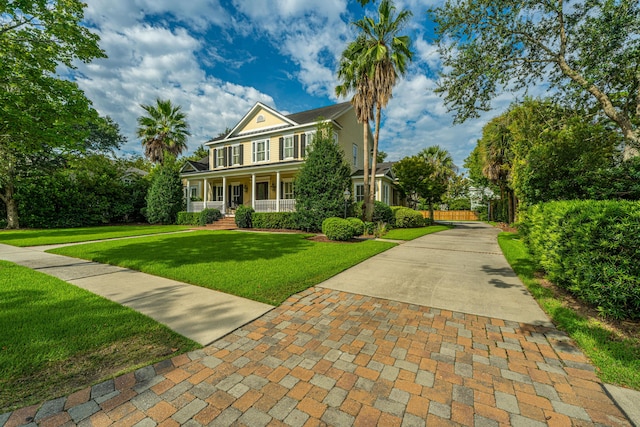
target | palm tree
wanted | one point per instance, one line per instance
(444, 170)
(354, 78)
(163, 129)
(498, 159)
(371, 65)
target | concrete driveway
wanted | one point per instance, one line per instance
(461, 269)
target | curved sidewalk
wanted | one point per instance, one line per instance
(201, 314)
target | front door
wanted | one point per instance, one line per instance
(235, 196)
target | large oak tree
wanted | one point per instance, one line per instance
(589, 51)
(39, 110)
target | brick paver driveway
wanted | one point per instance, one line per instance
(327, 357)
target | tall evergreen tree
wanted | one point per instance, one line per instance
(321, 182)
(166, 196)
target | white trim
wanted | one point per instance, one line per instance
(254, 148)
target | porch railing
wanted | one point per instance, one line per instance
(286, 205)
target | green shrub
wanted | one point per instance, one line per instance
(187, 218)
(381, 212)
(208, 216)
(274, 220)
(358, 226)
(337, 229)
(592, 249)
(408, 218)
(369, 228)
(244, 216)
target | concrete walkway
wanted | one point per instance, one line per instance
(198, 313)
(369, 348)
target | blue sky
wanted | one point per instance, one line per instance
(217, 58)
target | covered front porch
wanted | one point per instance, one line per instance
(271, 192)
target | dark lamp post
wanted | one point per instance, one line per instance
(347, 196)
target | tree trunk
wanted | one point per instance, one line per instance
(374, 158)
(367, 208)
(11, 206)
(431, 213)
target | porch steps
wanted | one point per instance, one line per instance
(226, 223)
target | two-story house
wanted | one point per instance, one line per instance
(256, 162)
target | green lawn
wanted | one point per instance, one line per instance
(72, 235)
(265, 267)
(56, 337)
(414, 233)
(617, 360)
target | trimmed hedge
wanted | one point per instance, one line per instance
(187, 218)
(208, 216)
(274, 220)
(592, 249)
(202, 218)
(408, 218)
(358, 226)
(381, 212)
(338, 229)
(244, 216)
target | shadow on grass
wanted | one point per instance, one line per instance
(616, 359)
(195, 248)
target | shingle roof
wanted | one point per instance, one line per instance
(330, 112)
(200, 165)
(381, 168)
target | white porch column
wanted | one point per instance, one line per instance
(188, 196)
(278, 191)
(253, 190)
(224, 195)
(205, 193)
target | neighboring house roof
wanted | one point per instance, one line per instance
(385, 168)
(196, 166)
(330, 112)
(135, 171)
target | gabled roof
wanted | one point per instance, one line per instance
(330, 112)
(196, 166)
(385, 168)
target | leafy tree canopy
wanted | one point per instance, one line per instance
(588, 50)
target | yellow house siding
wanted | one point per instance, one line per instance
(269, 120)
(351, 133)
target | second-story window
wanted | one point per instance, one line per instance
(260, 151)
(355, 155)
(288, 147)
(235, 155)
(220, 160)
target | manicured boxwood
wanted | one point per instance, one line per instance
(338, 229)
(591, 248)
(208, 216)
(381, 212)
(274, 220)
(244, 216)
(187, 218)
(202, 218)
(408, 218)
(358, 226)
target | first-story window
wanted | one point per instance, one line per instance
(385, 193)
(260, 151)
(287, 190)
(359, 192)
(219, 193)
